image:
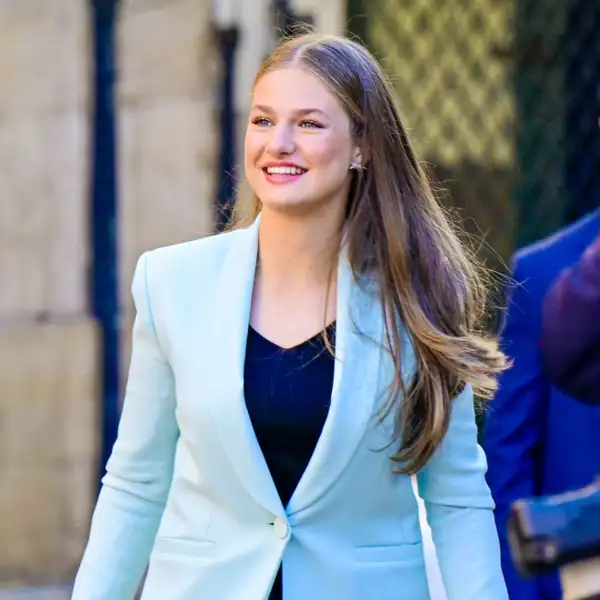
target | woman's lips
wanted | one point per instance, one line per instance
(285, 174)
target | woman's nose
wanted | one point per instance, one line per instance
(281, 140)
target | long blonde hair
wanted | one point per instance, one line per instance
(430, 285)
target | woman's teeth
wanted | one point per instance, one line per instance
(285, 171)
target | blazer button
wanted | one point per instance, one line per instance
(281, 528)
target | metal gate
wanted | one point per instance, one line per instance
(502, 100)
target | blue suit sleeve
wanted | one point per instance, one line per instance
(513, 432)
(459, 509)
(139, 471)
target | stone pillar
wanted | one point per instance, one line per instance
(48, 351)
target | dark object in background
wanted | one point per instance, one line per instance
(104, 226)
(560, 532)
(228, 41)
(287, 22)
(570, 335)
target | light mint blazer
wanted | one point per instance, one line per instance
(187, 487)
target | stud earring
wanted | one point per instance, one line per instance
(355, 166)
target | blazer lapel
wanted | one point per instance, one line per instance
(359, 338)
(229, 326)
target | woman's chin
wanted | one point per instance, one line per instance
(288, 204)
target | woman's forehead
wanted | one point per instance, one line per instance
(294, 89)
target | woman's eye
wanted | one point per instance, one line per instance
(311, 125)
(261, 121)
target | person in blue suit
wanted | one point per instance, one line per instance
(538, 440)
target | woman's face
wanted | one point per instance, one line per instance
(299, 145)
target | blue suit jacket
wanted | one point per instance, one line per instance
(188, 489)
(538, 440)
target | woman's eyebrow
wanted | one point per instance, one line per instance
(299, 112)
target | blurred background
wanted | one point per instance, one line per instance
(121, 125)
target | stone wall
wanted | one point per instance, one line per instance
(48, 344)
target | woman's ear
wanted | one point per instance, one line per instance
(357, 157)
(361, 154)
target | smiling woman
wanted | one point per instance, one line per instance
(289, 376)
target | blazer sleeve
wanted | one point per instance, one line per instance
(459, 510)
(570, 340)
(513, 429)
(139, 470)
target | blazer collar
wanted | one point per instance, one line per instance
(359, 334)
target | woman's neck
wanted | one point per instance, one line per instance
(298, 251)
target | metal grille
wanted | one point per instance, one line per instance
(502, 100)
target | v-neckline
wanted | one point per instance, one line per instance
(330, 330)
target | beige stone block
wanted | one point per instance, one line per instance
(49, 443)
(23, 176)
(32, 523)
(43, 208)
(44, 54)
(166, 50)
(33, 415)
(167, 178)
(22, 279)
(67, 223)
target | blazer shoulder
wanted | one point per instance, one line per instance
(540, 263)
(202, 256)
(567, 243)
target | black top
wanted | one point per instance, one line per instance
(288, 393)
